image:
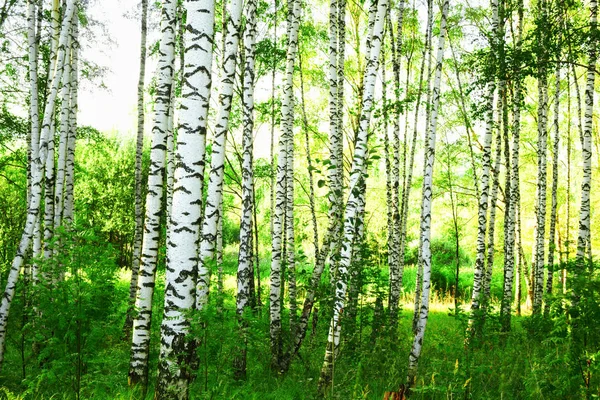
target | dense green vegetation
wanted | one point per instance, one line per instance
(184, 265)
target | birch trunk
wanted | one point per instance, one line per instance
(426, 207)
(478, 276)
(554, 206)
(138, 365)
(244, 272)
(583, 237)
(428, 52)
(139, 147)
(281, 195)
(69, 208)
(217, 164)
(409, 175)
(33, 39)
(514, 198)
(357, 174)
(396, 267)
(176, 353)
(492, 217)
(542, 150)
(37, 172)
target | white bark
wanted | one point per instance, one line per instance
(217, 164)
(138, 366)
(70, 162)
(139, 147)
(244, 272)
(583, 237)
(184, 224)
(357, 174)
(37, 172)
(287, 124)
(426, 206)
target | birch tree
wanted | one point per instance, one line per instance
(478, 276)
(542, 150)
(176, 351)
(357, 175)
(244, 275)
(285, 142)
(513, 203)
(139, 146)
(37, 174)
(217, 165)
(426, 205)
(138, 365)
(583, 236)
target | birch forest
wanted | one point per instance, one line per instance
(317, 199)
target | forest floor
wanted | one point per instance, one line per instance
(527, 363)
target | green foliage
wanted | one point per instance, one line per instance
(443, 264)
(104, 190)
(68, 320)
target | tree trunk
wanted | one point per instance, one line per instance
(554, 206)
(37, 169)
(244, 275)
(357, 174)
(514, 199)
(217, 164)
(426, 207)
(177, 352)
(583, 237)
(140, 348)
(286, 142)
(427, 53)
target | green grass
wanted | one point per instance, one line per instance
(527, 363)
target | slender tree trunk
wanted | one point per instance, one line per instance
(487, 278)
(554, 206)
(217, 165)
(583, 237)
(286, 142)
(139, 213)
(415, 352)
(478, 277)
(542, 150)
(428, 51)
(69, 208)
(396, 267)
(140, 348)
(37, 172)
(33, 28)
(514, 199)
(409, 175)
(335, 176)
(176, 362)
(289, 227)
(357, 175)
(244, 275)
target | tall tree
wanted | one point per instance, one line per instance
(512, 222)
(542, 150)
(478, 277)
(396, 269)
(583, 237)
(244, 273)
(140, 347)
(37, 174)
(357, 175)
(139, 146)
(286, 140)
(554, 205)
(426, 205)
(176, 351)
(217, 164)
